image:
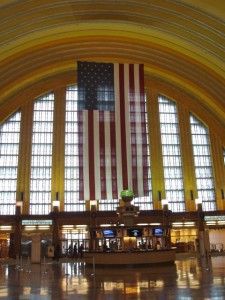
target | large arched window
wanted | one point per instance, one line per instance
(171, 154)
(203, 164)
(9, 151)
(41, 157)
(146, 203)
(71, 194)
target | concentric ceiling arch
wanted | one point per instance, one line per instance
(180, 43)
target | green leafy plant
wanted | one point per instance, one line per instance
(127, 193)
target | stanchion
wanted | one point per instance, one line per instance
(17, 263)
(45, 271)
(93, 264)
(28, 265)
(207, 261)
(21, 264)
(67, 273)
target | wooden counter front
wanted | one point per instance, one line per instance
(130, 258)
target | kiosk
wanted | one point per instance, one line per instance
(122, 245)
(130, 244)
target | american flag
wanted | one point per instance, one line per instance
(112, 130)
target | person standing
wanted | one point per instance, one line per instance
(158, 245)
(75, 250)
(81, 249)
(105, 248)
(57, 251)
(69, 251)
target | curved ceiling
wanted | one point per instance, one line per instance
(181, 43)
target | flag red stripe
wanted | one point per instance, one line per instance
(132, 97)
(81, 156)
(123, 127)
(144, 132)
(113, 155)
(91, 154)
(102, 154)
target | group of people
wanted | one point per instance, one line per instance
(113, 246)
(76, 251)
(55, 251)
(143, 246)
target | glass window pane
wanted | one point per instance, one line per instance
(172, 163)
(71, 196)
(41, 159)
(9, 149)
(203, 164)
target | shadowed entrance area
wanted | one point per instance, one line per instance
(189, 278)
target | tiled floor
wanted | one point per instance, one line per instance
(189, 278)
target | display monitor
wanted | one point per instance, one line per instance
(158, 231)
(135, 232)
(108, 233)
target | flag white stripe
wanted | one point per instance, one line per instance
(86, 156)
(108, 164)
(127, 123)
(118, 126)
(97, 156)
(138, 130)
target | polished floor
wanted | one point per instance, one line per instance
(189, 278)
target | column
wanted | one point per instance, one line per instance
(203, 235)
(16, 249)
